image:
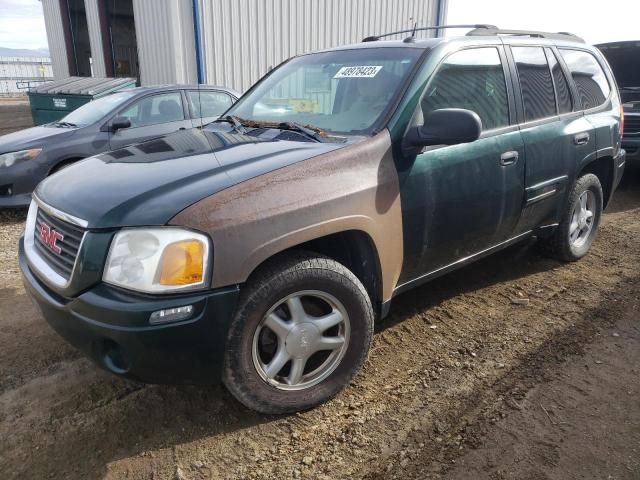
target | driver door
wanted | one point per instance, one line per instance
(462, 199)
(151, 116)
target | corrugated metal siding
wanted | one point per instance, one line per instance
(166, 43)
(55, 37)
(244, 38)
(95, 38)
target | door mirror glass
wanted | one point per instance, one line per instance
(119, 123)
(447, 126)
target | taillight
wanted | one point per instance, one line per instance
(621, 121)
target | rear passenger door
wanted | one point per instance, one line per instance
(593, 93)
(460, 200)
(554, 132)
(151, 116)
(207, 105)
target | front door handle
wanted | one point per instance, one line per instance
(581, 138)
(509, 158)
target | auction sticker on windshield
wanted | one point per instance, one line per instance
(364, 71)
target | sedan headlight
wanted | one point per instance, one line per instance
(8, 159)
(158, 260)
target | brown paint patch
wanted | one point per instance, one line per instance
(354, 188)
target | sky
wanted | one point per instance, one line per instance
(597, 21)
(22, 24)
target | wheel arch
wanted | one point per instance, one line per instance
(61, 162)
(353, 248)
(603, 168)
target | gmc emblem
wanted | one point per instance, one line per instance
(49, 237)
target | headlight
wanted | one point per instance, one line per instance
(8, 159)
(158, 260)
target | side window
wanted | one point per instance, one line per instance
(563, 94)
(155, 109)
(535, 82)
(208, 104)
(591, 82)
(471, 79)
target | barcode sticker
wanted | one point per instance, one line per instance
(364, 71)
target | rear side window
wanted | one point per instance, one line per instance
(472, 79)
(563, 94)
(535, 81)
(591, 82)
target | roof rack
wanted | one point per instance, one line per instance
(478, 27)
(492, 31)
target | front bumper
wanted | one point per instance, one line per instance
(632, 147)
(111, 326)
(18, 181)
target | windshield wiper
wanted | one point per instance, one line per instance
(633, 89)
(65, 124)
(310, 131)
(235, 121)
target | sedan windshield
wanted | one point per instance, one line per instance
(341, 91)
(97, 109)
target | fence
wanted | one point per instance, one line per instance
(18, 74)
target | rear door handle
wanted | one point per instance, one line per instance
(509, 158)
(581, 138)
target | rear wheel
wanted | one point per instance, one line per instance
(579, 224)
(301, 333)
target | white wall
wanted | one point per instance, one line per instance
(244, 38)
(55, 36)
(166, 42)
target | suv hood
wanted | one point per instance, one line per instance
(31, 138)
(149, 183)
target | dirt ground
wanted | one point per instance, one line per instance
(461, 383)
(14, 114)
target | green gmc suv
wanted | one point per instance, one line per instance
(261, 249)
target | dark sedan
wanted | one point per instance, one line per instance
(109, 123)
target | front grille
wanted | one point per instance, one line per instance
(63, 262)
(632, 125)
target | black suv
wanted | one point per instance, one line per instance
(263, 248)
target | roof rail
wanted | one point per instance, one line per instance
(373, 38)
(483, 32)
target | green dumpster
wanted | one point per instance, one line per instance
(52, 101)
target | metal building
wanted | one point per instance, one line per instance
(223, 42)
(19, 73)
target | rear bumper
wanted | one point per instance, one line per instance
(112, 328)
(620, 162)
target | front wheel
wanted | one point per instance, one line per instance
(579, 224)
(302, 331)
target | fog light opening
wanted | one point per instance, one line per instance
(171, 315)
(114, 358)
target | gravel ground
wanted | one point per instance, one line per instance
(462, 382)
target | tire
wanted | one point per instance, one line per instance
(327, 291)
(561, 244)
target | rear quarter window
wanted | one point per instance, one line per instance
(590, 80)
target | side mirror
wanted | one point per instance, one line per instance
(447, 126)
(119, 123)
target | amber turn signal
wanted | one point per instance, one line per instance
(182, 263)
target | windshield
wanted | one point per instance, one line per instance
(97, 109)
(343, 91)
